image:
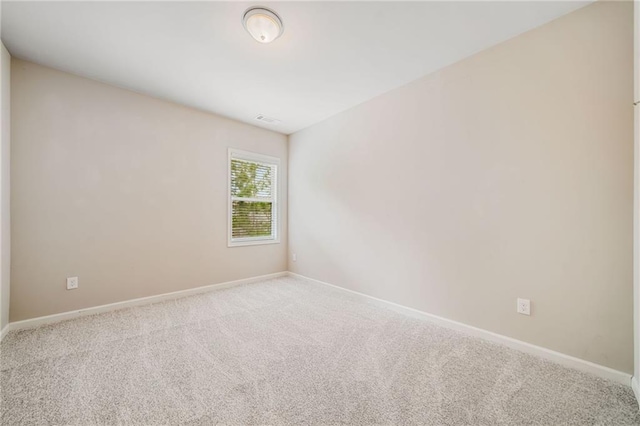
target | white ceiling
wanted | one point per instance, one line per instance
(332, 55)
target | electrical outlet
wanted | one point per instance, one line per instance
(524, 306)
(294, 257)
(72, 283)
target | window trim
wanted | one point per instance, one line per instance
(259, 158)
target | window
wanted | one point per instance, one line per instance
(253, 199)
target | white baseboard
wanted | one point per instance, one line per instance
(560, 358)
(49, 319)
(4, 332)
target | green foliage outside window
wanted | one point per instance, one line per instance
(251, 218)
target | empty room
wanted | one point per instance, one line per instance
(319, 213)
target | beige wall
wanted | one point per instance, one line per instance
(508, 174)
(127, 192)
(636, 203)
(5, 224)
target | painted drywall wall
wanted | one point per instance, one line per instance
(636, 200)
(5, 223)
(127, 192)
(506, 175)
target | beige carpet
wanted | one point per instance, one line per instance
(286, 351)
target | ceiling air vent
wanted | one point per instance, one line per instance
(267, 120)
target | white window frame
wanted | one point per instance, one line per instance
(275, 225)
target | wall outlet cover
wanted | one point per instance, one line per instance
(72, 283)
(524, 306)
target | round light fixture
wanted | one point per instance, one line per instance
(263, 24)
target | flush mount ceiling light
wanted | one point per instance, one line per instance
(263, 24)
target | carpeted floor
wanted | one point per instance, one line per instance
(286, 351)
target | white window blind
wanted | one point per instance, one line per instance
(253, 202)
